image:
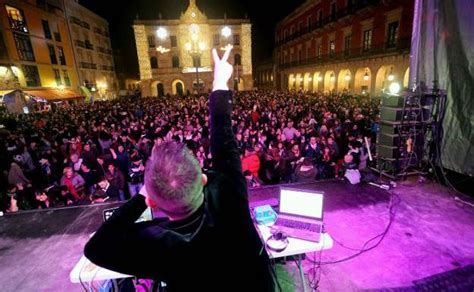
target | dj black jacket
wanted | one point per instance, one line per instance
(215, 249)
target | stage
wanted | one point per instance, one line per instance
(431, 233)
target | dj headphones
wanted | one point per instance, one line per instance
(278, 241)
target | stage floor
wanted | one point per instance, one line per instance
(431, 234)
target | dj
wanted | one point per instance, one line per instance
(208, 242)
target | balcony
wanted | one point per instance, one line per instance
(104, 33)
(85, 25)
(80, 43)
(89, 45)
(86, 65)
(319, 24)
(402, 46)
(104, 51)
(107, 68)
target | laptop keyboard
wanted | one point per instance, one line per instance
(299, 225)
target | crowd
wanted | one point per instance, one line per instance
(90, 153)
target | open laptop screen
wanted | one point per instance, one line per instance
(302, 203)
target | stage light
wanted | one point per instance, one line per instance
(347, 77)
(332, 78)
(202, 46)
(162, 33)
(3, 70)
(366, 75)
(15, 70)
(394, 88)
(226, 31)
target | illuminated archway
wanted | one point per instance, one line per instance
(156, 87)
(307, 85)
(362, 81)
(178, 87)
(299, 82)
(317, 81)
(382, 78)
(291, 82)
(329, 81)
(344, 80)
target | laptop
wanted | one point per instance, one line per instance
(301, 213)
(147, 215)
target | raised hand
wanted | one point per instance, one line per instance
(222, 69)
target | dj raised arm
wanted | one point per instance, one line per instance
(208, 242)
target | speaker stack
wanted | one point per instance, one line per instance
(401, 137)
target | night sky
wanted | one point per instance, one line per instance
(121, 16)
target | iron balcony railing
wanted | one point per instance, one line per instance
(340, 14)
(402, 46)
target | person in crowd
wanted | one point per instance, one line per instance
(116, 179)
(136, 173)
(251, 161)
(73, 182)
(306, 171)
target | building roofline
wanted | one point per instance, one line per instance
(297, 12)
(178, 21)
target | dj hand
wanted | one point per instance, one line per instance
(222, 69)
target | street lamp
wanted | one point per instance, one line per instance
(195, 48)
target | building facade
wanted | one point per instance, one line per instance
(361, 46)
(35, 49)
(174, 55)
(93, 51)
(263, 75)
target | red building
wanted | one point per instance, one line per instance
(356, 45)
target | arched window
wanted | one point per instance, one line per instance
(175, 61)
(154, 63)
(237, 60)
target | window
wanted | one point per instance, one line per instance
(175, 61)
(347, 44)
(333, 11)
(174, 41)
(217, 40)
(23, 47)
(46, 30)
(308, 52)
(285, 34)
(151, 41)
(17, 19)
(236, 39)
(197, 61)
(57, 36)
(62, 58)
(31, 76)
(154, 63)
(367, 40)
(67, 81)
(237, 60)
(300, 26)
(320, 51)
(332, 48)
(320, 17)
(52, 54)
(57, 77)
(309, 21)
(292, 30)
(300, 55)
(392, 34)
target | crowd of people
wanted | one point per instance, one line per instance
(92, 153)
